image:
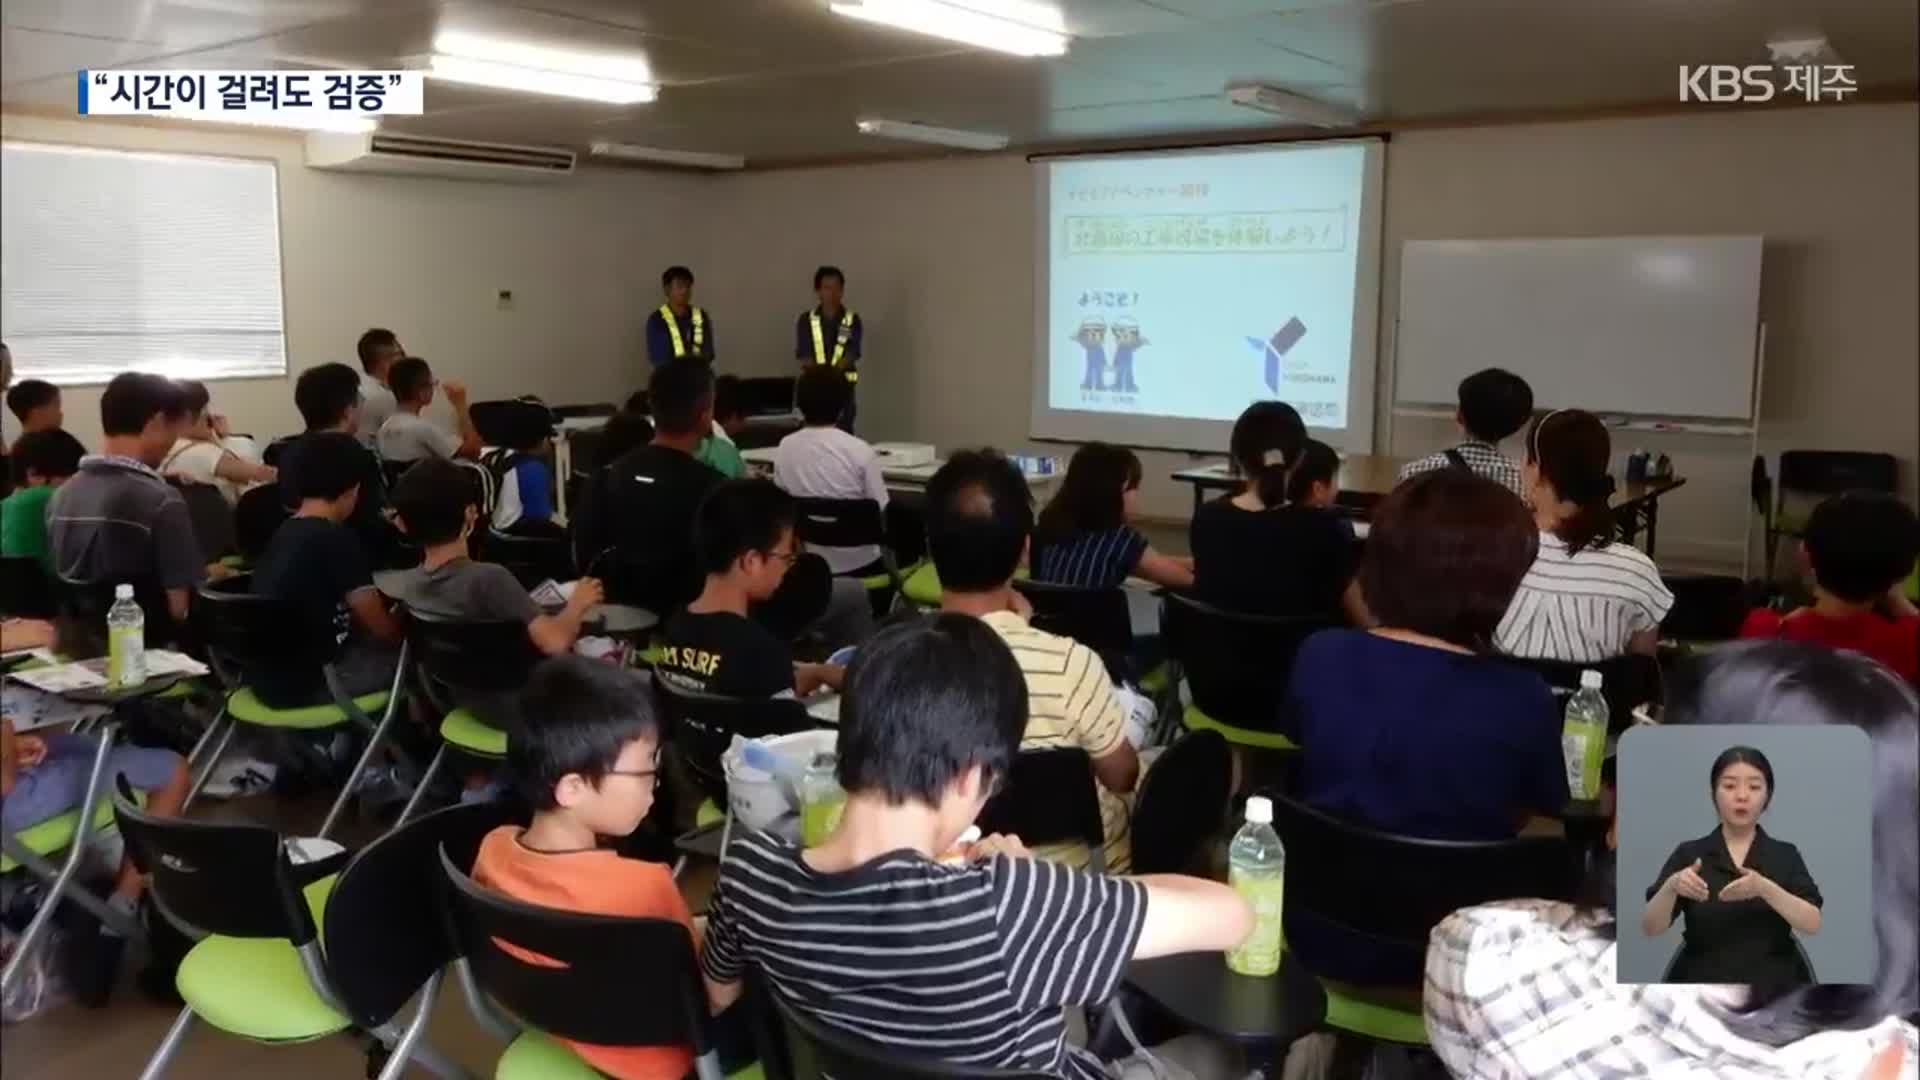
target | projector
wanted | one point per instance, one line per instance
(1296, 107)
(903, 455)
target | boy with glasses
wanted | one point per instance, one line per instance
(588, 761)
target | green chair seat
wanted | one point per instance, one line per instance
(246, 706)
(1913, 583)
(468, 732)
(1154, 683)
(1373, 1020)
(55, 833)
(652, 653)
(920, 583)
(255, 987)
(876, 582)
(1265, 740)
(709, 813)
(535, 1055)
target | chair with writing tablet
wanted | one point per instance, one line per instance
(1627, 682)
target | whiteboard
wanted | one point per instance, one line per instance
(1645, 325)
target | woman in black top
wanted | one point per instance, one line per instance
(1741, 892)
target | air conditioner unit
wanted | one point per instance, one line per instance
(419, 155)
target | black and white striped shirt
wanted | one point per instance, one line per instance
(1585, 607)
(966, 965)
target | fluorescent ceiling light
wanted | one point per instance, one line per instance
(537, 69)
(687, 158)
(338, 124)
(927, 133)
(1010, 26)
(1295, 107)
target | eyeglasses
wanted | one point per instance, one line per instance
(788, 557)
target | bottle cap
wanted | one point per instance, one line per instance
(123, 592)
(1259, 810)
(1590, 680)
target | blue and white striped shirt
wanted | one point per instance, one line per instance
(1088, 560)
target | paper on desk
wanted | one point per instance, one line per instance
(553, 594)
(30, 709)
(92, 674)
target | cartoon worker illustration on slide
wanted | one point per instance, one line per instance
(1126, 341)
(1092, 337)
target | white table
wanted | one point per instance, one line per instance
(910, 479)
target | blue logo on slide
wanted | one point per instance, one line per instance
(1274, 348)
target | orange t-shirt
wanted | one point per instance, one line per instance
(592, 883)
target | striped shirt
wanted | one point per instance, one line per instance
(1088, 560)
(1484, 459)
(1071, 702)
(970, 965)
(1585, 607)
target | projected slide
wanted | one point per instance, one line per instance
(1186, 285)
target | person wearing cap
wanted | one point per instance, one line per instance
(1126, 341)
(1093, 338)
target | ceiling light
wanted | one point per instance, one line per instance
(686, 158)
(320, 121)
(1010, 26)
(1293, 106)
(537, 69)
(927, 133)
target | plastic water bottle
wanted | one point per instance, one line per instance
(821, 801)
(1257, 867)
(126, 641)
(1583, 741)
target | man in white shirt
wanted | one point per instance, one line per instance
(378, 350)
(820, 461)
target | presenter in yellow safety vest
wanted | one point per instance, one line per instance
(830, 334)
(678, 328)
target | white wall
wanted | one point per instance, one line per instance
(426, 258)
(939, 262)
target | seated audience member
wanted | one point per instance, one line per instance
(378, 350)
(625, 431)
(717, 451)
(974, 961)
(438, 504)
(318, 570)
(1277, 547)
(820, 461)
(1585, 597)
(1485, 965)
(1411, 727)
(44, 460)
(1860, 547)
(206, 453)
(1494, 404)
(1084, 537)
(588, 762)
(36, 403)
(328, 397)
(44, 774)
(118, 521)
(743, 538)
(979, 521)
(524, 505)
(636, 519)
(407, 435)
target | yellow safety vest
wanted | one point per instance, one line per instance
(839, 346)
(673, 331)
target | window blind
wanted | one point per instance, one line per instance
(114, 260)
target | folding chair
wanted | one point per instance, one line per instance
(1050, 798)
(849, 523)
(817, 1051)
(465, 668)
(617, 982)
(246, 633)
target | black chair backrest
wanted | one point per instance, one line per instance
(226, 879)
(1048, 798)
(256, 517)
(659, 584)
(1706, 607)
(244, 633)
(766, 395)
(1829, 472)
(1236, 665)
(214, 526)
(839, 522)
(87, 604)
(515, 424)
(702, 726)
(1096, 618)
(607, 968)
(458, 658)
(531, 559)
(819, 1051)
(1392, 889)
(1626, 682)
(384, 930)
(25, 588)
(392, 471)
(1181, 803)
(572, 412)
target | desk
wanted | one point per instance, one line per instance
(1264, 1015)
(1365, 479)
(909, 480)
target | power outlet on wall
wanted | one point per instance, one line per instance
(503, 300)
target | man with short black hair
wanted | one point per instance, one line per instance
(317, 568)
(378, 349)
(42, 460)
(830, 335)
(328, 397)
(1494, 404)
(118, 521)
(677, 330)
(973, 959)
(823, 461)
(36, 403)
(407, 435)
